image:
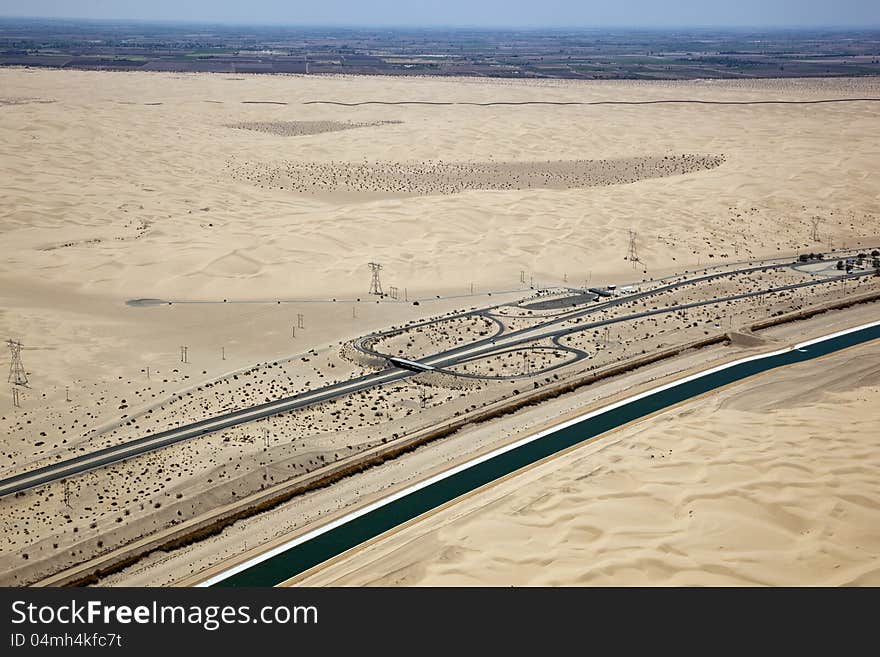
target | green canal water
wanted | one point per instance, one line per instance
(334, 541)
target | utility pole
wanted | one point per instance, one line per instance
(222, 353)
(16, 400)
(405, 295)
(354, 312)
(300, 321)
(526, 367)
(17, 375)
(184, 355)
(472, 288)
(522, 276)
(292, 331)
(148, 372)
(67, 393)
(375, 283)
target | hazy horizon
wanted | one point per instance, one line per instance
(518, 14)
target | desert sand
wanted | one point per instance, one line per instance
(772, 481)
(120, 187)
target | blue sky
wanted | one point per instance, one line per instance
(484, 13)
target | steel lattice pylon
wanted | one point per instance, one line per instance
(633, 255)
(17, 375)
(375, 283)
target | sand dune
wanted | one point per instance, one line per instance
(165, 164)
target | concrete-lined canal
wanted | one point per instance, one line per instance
(319, 545)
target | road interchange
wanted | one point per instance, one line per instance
(501, 341)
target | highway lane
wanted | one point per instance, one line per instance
(503, 339)
(362, 343)
(90, 461)
(85, 462)
(537, 333)
(769, 264)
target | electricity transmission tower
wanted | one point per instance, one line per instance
(815, 221)
(17, 375)
(375, 283)
(632, 254)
